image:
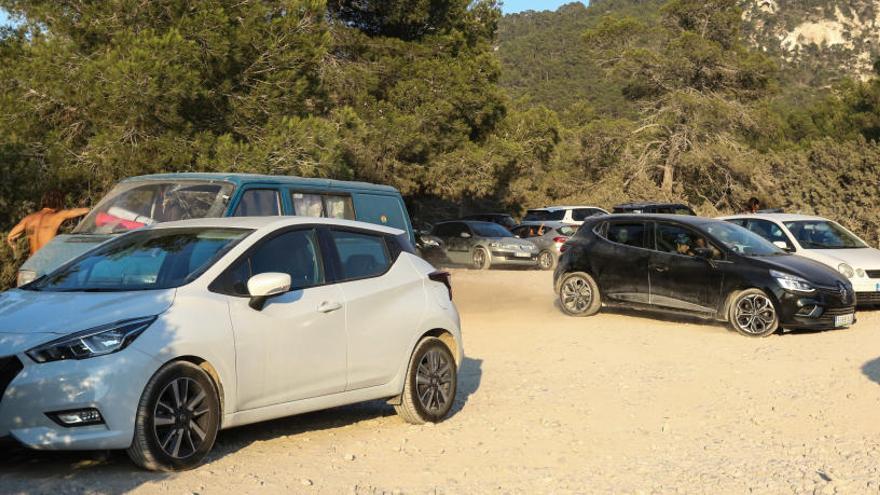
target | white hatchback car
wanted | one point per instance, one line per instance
(155, 340)
(825, 241)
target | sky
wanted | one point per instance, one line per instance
(511, 6)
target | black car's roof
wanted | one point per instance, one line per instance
(647, 204)
(683, 219)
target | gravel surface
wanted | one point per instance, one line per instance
(620, 402)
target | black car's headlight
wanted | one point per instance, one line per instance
(98, 341)
(792, 282)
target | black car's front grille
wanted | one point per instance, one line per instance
(868, 298)
(839, 311)
(9, 369)
(873, 273)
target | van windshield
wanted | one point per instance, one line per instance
(132, 205)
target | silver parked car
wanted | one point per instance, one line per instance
(548, 237)
(483, 245)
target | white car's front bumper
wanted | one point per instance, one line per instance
(111, 384)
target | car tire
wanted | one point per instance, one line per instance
(546, 260)
(481, 259)
(430, 383)
(752, 313)
(177, 419)
(579, 295)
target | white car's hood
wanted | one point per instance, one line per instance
(864, 258)
(29, 318)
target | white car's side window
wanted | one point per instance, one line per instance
(360, 255)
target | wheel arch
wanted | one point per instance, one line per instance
(212, 373)
(447, 338)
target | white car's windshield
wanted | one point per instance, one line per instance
(822, 234)
(143, 260)
(741, 240)
(132, 205)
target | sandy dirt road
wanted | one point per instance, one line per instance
(620, 402)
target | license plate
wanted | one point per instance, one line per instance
(844, 320)
(877, 287)
(523, 255)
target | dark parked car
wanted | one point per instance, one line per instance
(655, 208)
(483, 245)
(502, 219)
(703, 267)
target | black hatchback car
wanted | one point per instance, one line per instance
(698, 266)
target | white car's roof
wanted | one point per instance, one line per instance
(550, 208)
(272, 223)
(778, 217)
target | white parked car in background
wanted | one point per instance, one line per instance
(155, 340)
(569, 215)
(825, 241)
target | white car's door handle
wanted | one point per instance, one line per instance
(329, 306)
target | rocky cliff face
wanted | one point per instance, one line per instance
(824, 39)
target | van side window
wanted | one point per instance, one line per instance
(629, 234)
(258, 203)
(308, 205)
(339, 207)
(360, 255)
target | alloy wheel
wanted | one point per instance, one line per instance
(545, 260)
(180, 418)
(755, 314)
(479, 258)
(434, 381)
(577, 295)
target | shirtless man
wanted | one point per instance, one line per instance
(42, 226)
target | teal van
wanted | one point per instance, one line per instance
(149, 199)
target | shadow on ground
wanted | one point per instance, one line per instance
(89, 471)
(871, 369)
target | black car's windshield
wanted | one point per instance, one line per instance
(490, 230)
(741, 240)
(822, 234)
(143, 260)
(544, 215)
(132, 205)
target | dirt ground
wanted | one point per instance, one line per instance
(620, 402)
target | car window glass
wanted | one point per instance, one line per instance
(676, 239)
(360, 255)
(486, 229)
(822, 234)
(258, 203)
(339, 207)
(307, 205)
(294, 253)
(544, 215)
(770, 231)
(448, 230)
(581, 214)
(629, 234)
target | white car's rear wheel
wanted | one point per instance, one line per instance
(431, 382)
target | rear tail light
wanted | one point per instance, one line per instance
(563, 248)
(444, 278)
(560, 239)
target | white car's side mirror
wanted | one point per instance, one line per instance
(265, 285)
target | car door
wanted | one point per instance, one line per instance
(295, 347)
(458, 247)
(679, 278)
(620, 260)
(384, 300)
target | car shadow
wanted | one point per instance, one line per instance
(871, 369)
(45, 471)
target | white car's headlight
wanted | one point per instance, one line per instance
(792, 282)
(846, 270)
(25, 277)
(860, 272)
(98, 341)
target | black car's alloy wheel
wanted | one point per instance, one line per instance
(579, 295)
(177, 419)
(752, 313)
(431, 382)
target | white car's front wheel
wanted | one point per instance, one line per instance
(431, 382)
(177, 419)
